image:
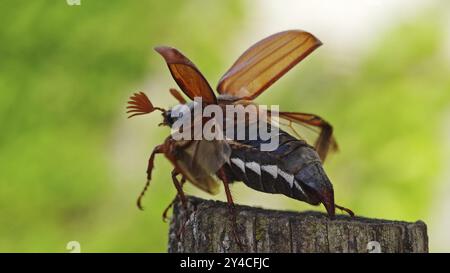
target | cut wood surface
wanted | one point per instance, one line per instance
(207, 228)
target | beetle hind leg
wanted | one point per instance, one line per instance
(349, 211)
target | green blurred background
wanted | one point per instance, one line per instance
(72, 165)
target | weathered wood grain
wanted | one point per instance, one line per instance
(208, 229)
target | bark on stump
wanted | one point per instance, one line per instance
(209, 229)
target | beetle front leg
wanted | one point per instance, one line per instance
(157, 150)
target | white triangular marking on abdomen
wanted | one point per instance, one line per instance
(288, 177)
(239, 163)
(254, 167)
(271, 169)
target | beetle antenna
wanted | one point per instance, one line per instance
(139, 104)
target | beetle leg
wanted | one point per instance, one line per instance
(223, 177)
(349, 211)
(157, 150)
(179, 188)
(164, 215)
(178, 185)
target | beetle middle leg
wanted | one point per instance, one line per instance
(166, 210)
(179, 187)
(223, 177)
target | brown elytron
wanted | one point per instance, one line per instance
(293, 169)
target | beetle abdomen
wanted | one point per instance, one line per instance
(293, 169)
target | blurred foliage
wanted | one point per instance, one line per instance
(65, 75)
(66, 72)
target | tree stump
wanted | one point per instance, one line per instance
(208, 228)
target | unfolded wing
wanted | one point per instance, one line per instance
(186, 74)
(265, 62)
